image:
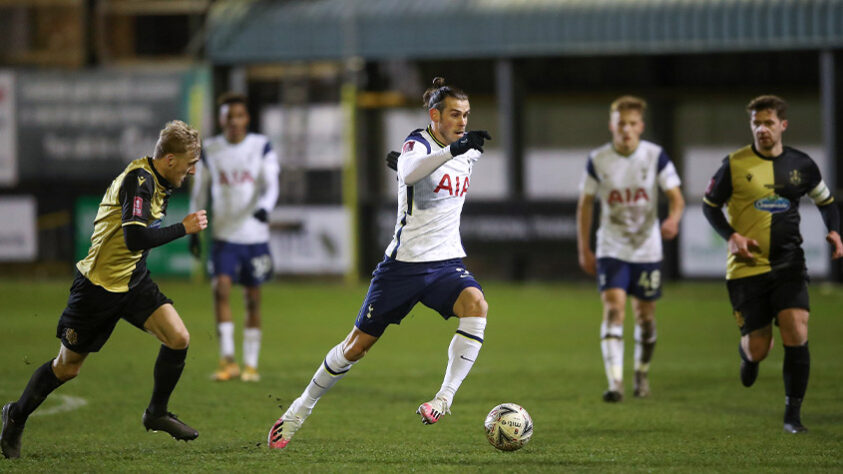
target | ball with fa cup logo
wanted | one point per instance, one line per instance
(508, 426)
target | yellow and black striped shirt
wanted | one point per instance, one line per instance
(138, 196)
(762, 196)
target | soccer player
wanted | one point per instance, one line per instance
(112, 282)
(241, 170)
(626, 176)
(765, 273)
(423, 263)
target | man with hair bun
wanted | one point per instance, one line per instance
(112, 282)
(626, 176)
(761, 184)
(423, 263)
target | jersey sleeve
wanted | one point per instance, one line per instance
(417, 161)
(135, 197)
(719, 189)
(589, 181)
(817, 190)
(668, 178)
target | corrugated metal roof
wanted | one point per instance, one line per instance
(261, 30)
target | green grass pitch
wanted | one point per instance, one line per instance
(541, 351)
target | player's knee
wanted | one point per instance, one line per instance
(178, 340)
(354, 352)
(476, 307)
(471, 304)
(614, 314)
(65, 372)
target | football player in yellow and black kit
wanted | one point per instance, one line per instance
(766, 276)
(112, 282)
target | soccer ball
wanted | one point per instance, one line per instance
(508, 426)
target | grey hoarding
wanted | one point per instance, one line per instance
(90, 124)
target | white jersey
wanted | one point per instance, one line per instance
(428, 223)
(243, 177)
(627, 187)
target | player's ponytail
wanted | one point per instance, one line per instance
(435, 96)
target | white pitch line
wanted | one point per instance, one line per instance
(66, 403)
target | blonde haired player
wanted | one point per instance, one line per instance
(113, 283)
(625, 175)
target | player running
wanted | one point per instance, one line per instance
(626, 175)
(766, 276)
(241, 169)
(423, 263)
(112, 282)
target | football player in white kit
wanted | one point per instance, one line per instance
(626, 176)
(423, 263)
(241, 170)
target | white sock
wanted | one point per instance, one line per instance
(226, 333)
(332, 369)
(251, 346)
(463, 351)
(644, 343)
(611, 343)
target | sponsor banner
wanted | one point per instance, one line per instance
(92, 123)
(172, 259)
(19, 237)
(8, 131)
(504, 223)
(310, 240)
(306, 137)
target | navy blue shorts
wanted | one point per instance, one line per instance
(247, 264)
(92, 312)
(641, 280)
(397, 286)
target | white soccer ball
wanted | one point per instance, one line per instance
(508, 426)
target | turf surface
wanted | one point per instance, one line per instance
(541, 351)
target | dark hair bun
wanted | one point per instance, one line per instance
(438, 82)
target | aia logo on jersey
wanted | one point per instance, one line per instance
(627, 196)
(445, 184)
(236, 177)
(137, 207)
(407, 147)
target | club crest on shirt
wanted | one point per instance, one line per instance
(795, 178)
(408, 147)
(71, 336)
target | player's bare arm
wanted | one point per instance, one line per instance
(585, 208)
(195, 222)
(676, 206)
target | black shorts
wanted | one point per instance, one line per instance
(757, 300)
(92, 312)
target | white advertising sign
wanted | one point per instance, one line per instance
(19, 238)
(310, 240)
(8, 131)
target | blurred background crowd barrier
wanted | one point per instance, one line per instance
(86, 85)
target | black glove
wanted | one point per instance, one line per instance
(473, 139)
(195, 246)
(261, 215)
(392, 160)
